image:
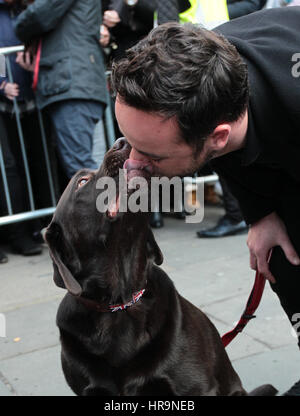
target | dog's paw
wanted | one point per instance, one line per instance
(264, 390)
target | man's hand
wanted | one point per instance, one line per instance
(265, 234)
(25, 61)
(111, 18)
(11, 90)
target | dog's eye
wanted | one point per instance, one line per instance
(82, 181)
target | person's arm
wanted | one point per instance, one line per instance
(146, 8)
(143, 9)
(265, 234)
(40, 17)
(243, 7)
(117, 5)
(11, 90)
(143, 12)
(253, 188)
(256, 192)
(111, 18)
(24, 60)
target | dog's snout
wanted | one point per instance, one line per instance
(120, 143)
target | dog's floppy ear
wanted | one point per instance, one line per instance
(62, 275)
(153, 249)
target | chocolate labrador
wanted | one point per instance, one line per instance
(124, 328)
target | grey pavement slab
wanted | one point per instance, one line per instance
(26, 280)
(29, 329)
(37, 373)
(5, 388)
(213, 274)
(280, 367)
(271, 327)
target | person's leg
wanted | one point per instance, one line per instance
(18, 233)
(287, 276)
(231, 205)
(232, 222)
(3, 257)
(287, 286)
(74, 124)
(36, 160)
(12, 174)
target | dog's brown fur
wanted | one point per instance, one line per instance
(162, 345)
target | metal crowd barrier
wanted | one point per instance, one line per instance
(33, 212)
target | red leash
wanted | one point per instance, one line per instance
(37, 66)
(252, 305)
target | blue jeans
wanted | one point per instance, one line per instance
(74, 123)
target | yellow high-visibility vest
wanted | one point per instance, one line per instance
(209, 13)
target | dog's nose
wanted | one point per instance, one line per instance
(120, 143)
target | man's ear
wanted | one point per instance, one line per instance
(153, 249)
(62, 275)
(219, 137)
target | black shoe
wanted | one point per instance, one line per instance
(224, 227)
(26, 246)
(294, 390)
(156, 220)
(181, 215)
(3, 258)
(37, 237)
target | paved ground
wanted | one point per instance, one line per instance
(213, 274)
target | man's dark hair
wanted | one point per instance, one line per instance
(188, 72)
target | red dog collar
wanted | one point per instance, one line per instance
(135, 298)
(91, 304)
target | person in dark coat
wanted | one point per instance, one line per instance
(18, 235)
(232, 222)
(71, 79)
(237, 8)
(131, 21)
(128, 23)
(230, 96)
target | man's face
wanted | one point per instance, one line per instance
(157, 141)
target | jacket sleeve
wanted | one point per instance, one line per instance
(256, 188)
(40, 17)
(117, 5)
(143, 10)
(253, 206)
(242, 7)
(146, 8)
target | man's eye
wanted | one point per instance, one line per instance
(82, 181)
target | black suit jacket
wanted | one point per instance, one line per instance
(260, 174)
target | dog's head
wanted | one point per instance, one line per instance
(94, 248)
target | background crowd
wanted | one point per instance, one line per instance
(69, 45)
